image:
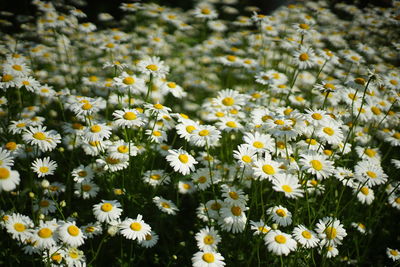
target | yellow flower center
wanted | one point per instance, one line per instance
(364, 190)
(208, 240)
(233, 195)
(44, 203)
(303, 57)
(136, 226)
(330, 232)
(95, 128)
(20, 125)
(231, 124)
(152, 67)
(190, 128)
(45, 233)
(258, 144)
(4, 173)
(311, 141)
(236, 210)
(56, 257)
(268, 169)
(280, 239)
(208, 257)
(17, 67)
(44, 169)
(359, 81)
(123, 149)
(287, 188)
(246, 159)
(280, 145)
(19, 227)
(204, 132)
(7, 78)
(370, 153)
(372, 174)
(86, 106)
(171, 85)
(155, 176)
(202, 179)
(228, 101)
(280, 212)
(157, 133)
(205, 11)
(183, 158)
(106, 207)
(316, 116)
(304, 26)
(165, 205)
(231, 58)
(73, 230)
(316, 164)
(396, 135)
(394, 252)
(279, 122)
(39, 136)
(329, 131)
(86, 188)
(82, 173)
(306, 234)
(128, 80)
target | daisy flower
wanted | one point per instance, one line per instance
(150, 240)
(153, 66)
(19, 126)
(128, 118)
(157, 136)
(370, 172)
(82, 173)
(156, 177)
(280, 215)
(44, 167)
(304, 58)
(107, 210)
(230, 99)
(271, 77)
(9, 179)
(393, 254)
(186, 129)
(5, 158)
(70, 234)
(86, 189)
(245, 155)
(97, 132)
(368, 153)
(260, 142)
(92, 229)
(186, 187)
(165, 205)
(317, 117)
(266, 168)
(331, 251)
(288, 184)
(331, 231)
(135, 229)
(233, 196)
(259, 227)
(233, 218)
(45, 140)
(18, 226)
(307, 238)
(359, 226)
(74, 257)
(280, 243)
(201, 178)
(208, 259)
(229, 124)
(205, 11)
(207, 239)
(205, 135)
(317, 164)
(181, 161)
(28, 82)
(44, 236)
(45, 206)
(130, 83)
(330, 133)
(364, 194)
(394, 201)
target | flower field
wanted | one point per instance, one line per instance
(214, 136)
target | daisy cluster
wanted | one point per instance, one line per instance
(212, 136)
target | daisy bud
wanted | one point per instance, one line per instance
(53, 113)
(61, 149)
(275, 226)
(63, 203)
(112, 230)
(41, 217)
(45, 183)
(75, 215)
(31, 194)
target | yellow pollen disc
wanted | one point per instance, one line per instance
(364, 190)
(129, 116)
(376, 110)
(155, 177)
(303, 57)
(44, 90)
(165, 205)
(216, 206)
(20, 125)
(208, 257)
(246, 159)
(219, 114)
(44, 203)
(56, 257)
(370, 153)
(95, 128)
(204, 132)
(280, 145)
(73, 230)
(171, 85)
(394, 252)
(287, 111)
(394, 82)
(268, 169)
(136, 226)
(362, 226)
(86, 188)
(148, 237)
(233, 195)
(329, 131)
(280, 239)
(128, 80)
(397, 200)
(328, 152)
(44, 169)
(186, 186)
(236, 210)
(396, 135)
(123, 149)
(82, 173)
(205, 11)
(86, 106)
(7, 78)
(279, 122)
(4, 173)
(45, 233)
(152, 67)
(231, 124)
(256, 95)
(111, 160)
(306, 234)
(17, 67)
(228, 101)
(329, 86)
(90, 229)
(202, 179)
(231, 58)
(183, 158)
(330, 232)
(280, 212)
(106, 207)
(287, 188)
(316, 164)
(158, 106)
(371, 174)
(190, 128)
(208, 240)
(157, 133)
(19, 227)
(359, 81)
(316, 116)
(311, 141)
(304, 26)
(258, 144)
(39, 136)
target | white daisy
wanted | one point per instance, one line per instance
(107, 210)
(207, 239)
(70, 234)
(181, 161)
(165, 205)
(307, 238)
(280, 243)
(44, 167)
(135, 229)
